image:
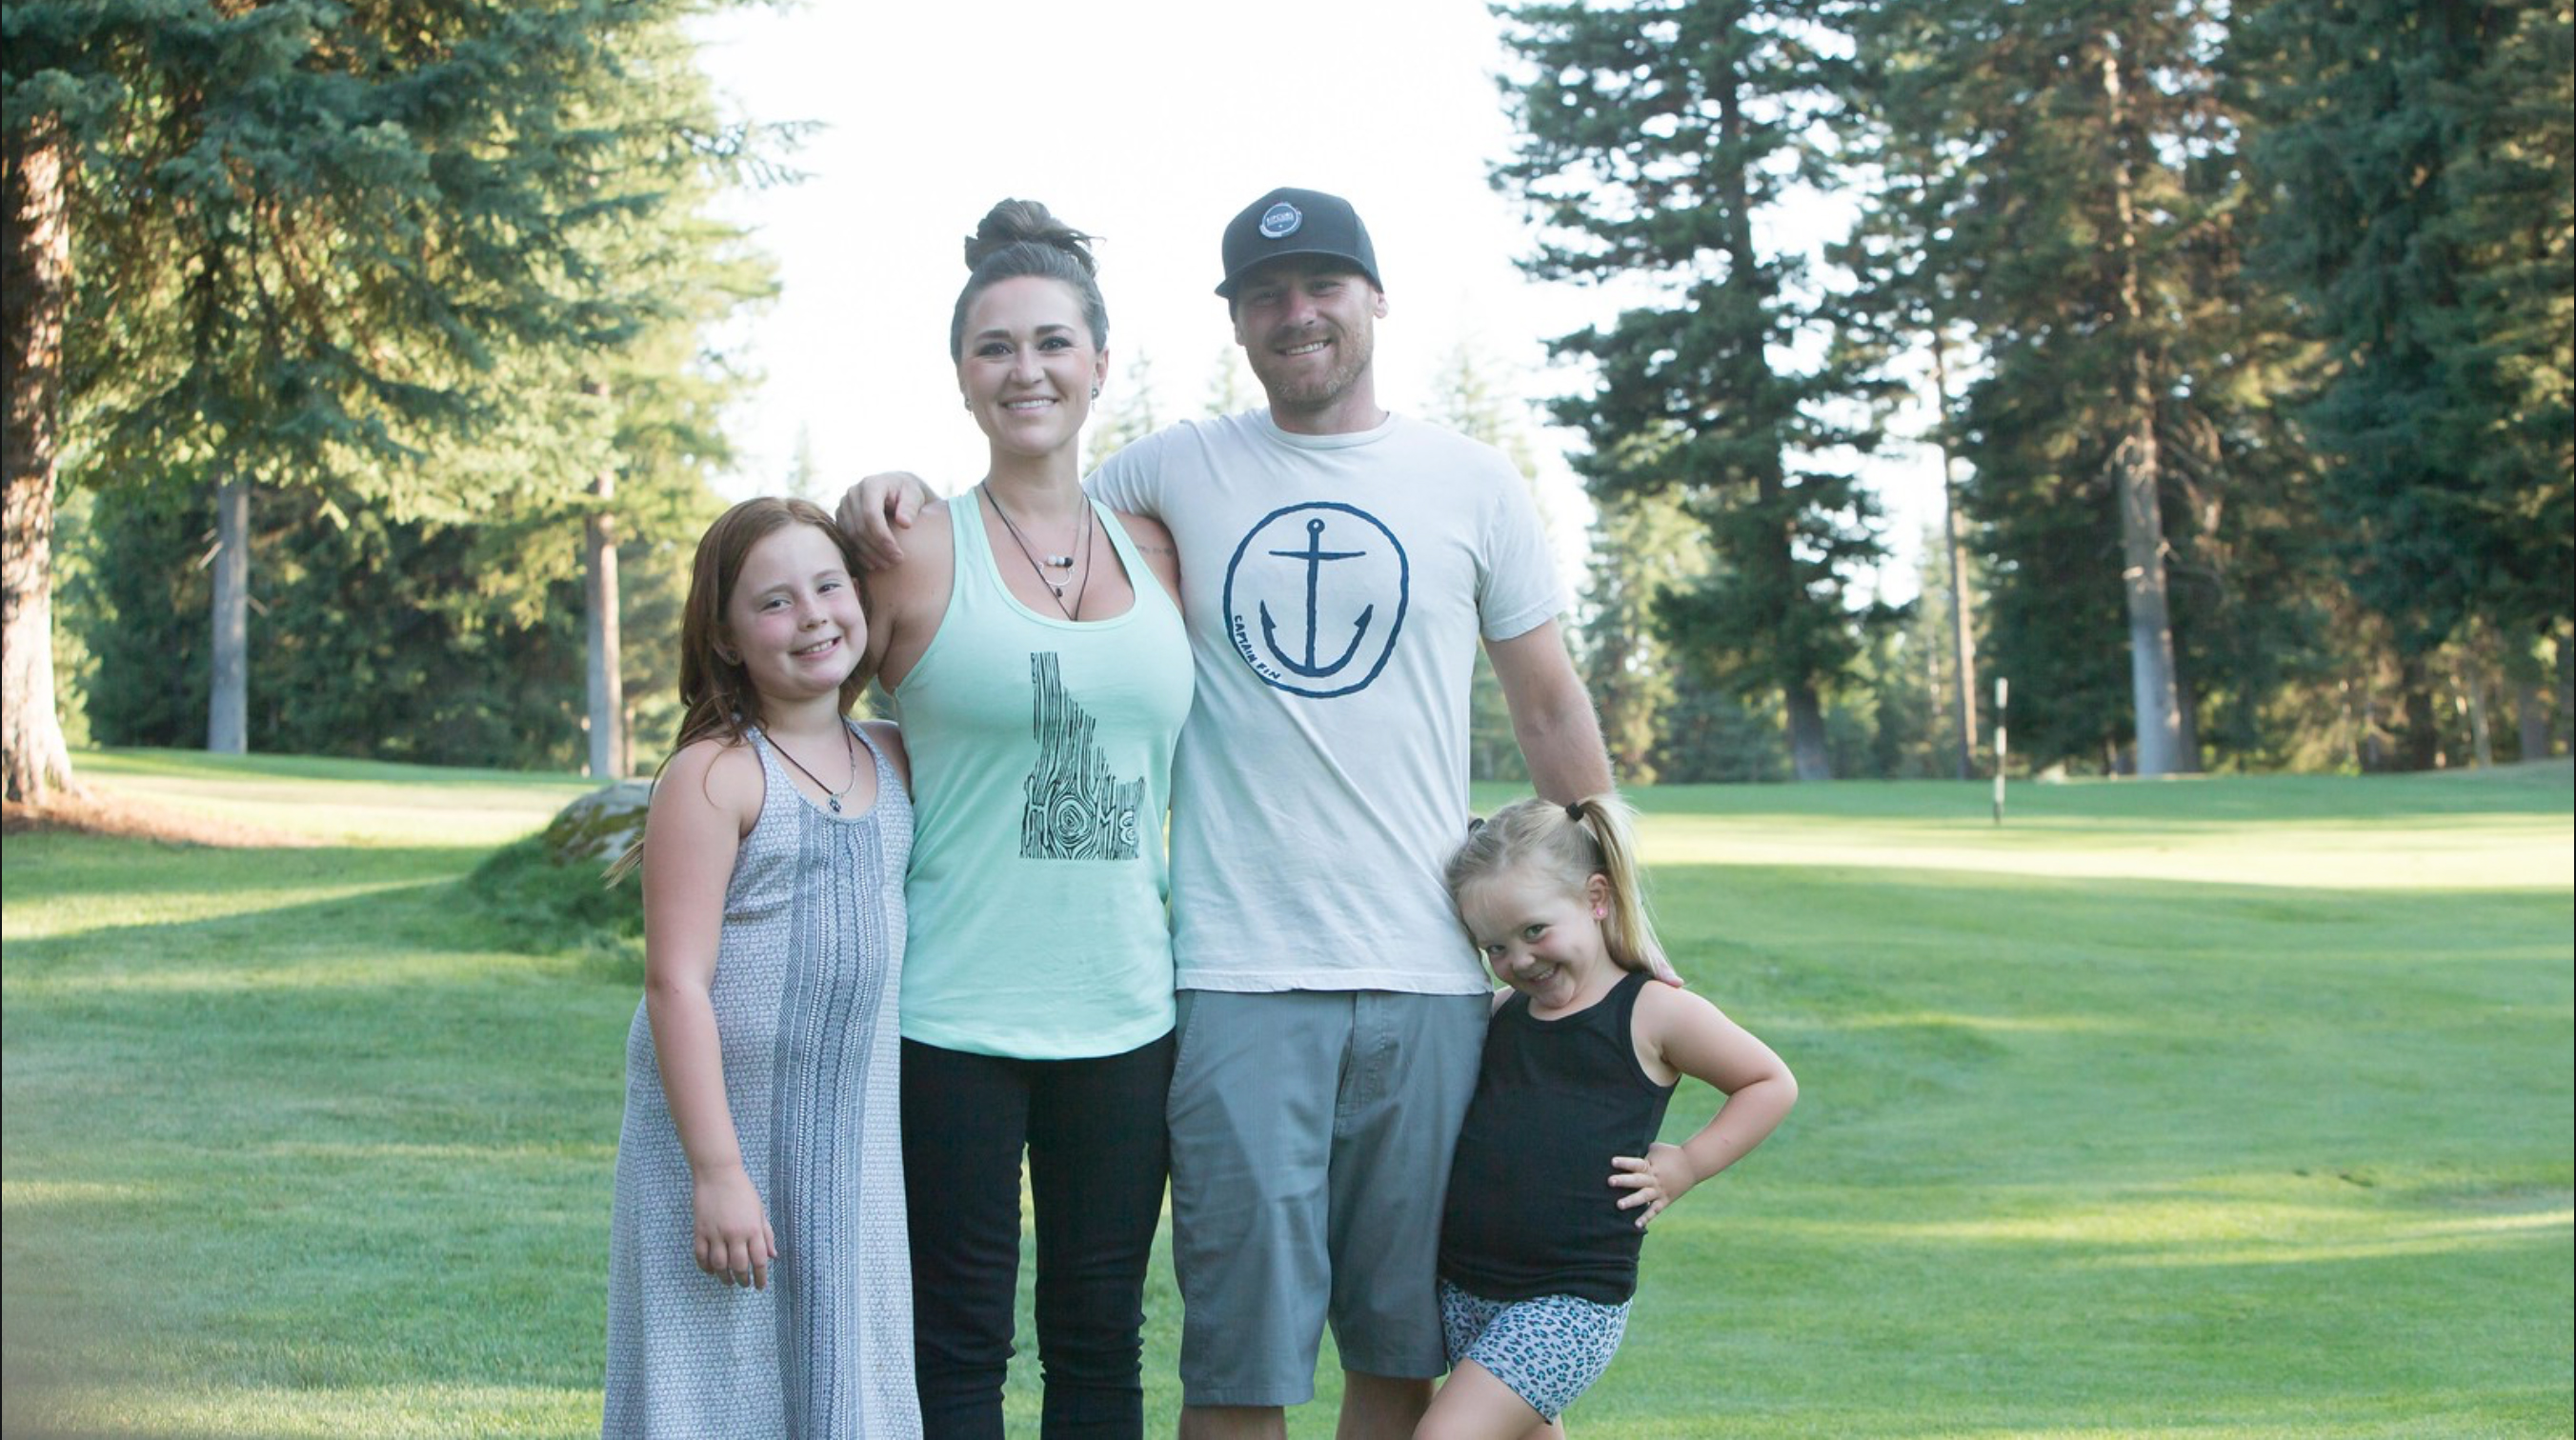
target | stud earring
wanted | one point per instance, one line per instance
(1600, 912)
(967, 404)
(1095, 392)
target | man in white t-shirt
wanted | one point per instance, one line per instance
(1339, 566)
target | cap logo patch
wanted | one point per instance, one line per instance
(1281, 221)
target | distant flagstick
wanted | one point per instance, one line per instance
(2002, 687)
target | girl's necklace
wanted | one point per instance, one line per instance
(1061, 562)
(831, 796)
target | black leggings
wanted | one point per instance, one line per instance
(1098, 1153)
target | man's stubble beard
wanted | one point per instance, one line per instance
(1352, 353)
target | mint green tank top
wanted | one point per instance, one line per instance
(1041, 772)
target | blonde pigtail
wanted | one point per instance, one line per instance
(1627, 928)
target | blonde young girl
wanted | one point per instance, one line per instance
(757, 1283)
(1558, 1171)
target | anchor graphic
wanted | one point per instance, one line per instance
(1314, 555)
(1255, 583)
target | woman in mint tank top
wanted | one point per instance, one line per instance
(1033, 646)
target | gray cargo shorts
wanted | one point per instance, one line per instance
(1311, 1135)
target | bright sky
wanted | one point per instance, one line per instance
(1148, 124)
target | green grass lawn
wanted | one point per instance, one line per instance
(2221, 1108)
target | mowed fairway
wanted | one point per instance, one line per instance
(2233, 1107)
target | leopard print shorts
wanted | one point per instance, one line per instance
(1548, 1350)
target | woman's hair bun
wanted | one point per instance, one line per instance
(1025, 222)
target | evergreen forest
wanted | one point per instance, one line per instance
(364, 386)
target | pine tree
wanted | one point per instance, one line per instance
(346, 248)
(2422, 157)
(36, 153)
(2253, 587)
(1902, 320)
(690, 272)
(2085, 167)
(1655, 137)
(1645, 547)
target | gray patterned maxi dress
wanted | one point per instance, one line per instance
(804, 996)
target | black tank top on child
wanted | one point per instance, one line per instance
(1531, 1210)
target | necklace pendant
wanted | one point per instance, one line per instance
(834, 801)
(1061, 562)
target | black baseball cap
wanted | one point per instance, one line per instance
(1290, 221)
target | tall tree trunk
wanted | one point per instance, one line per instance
(1808, 756)
(1939, 706)
(2565, 635)
(228, 694)
(1627, 730)
(34, 296)
(607, 685)
(2419, 744)
(2470, 675)
(2372, 756)
(1963, 643)
(2526, 675)
(1807, 750)
(1628, 722)
(2137, 473)
(2187, 712)
(2531, 719)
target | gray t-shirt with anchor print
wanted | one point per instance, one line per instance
(1335, 588)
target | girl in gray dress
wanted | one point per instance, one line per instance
(757, 1277)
